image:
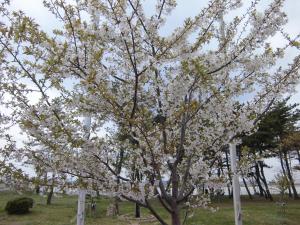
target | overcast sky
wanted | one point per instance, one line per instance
(185, 8)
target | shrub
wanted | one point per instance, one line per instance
(19, 205)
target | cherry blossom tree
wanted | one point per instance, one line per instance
(175, 100)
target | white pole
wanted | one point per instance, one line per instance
(232, 147)
(81, 193)
(81, 207)
(235, 186)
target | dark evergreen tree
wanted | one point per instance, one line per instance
(270, 140)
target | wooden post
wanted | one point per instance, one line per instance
(81, 207)
(235, 186)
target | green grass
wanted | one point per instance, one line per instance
(63, 212)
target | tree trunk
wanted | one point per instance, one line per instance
(37, 189)
(116, 203)
(247, 189)
(254, 186)
(257, 178)
(230, 195)
(137, 211)
(45, 182)
(298, 154)
(284, 173)
(175, 215)
(289, 173)
(264, 180)
(229, 190)
(50, 194)
(228, 186)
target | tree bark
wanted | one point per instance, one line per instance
(289, 173)
(284, 173)
(137, 210)
(247, 189)
(175, 217)
(175, 214)
(157, 216)
(37, 189)
(254, 188)
(264, 180)
(298, 154)
(50, 194)
(116, 204)
(229, 176)
(257, 178)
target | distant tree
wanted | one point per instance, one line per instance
(277, 135)
(292, 142)
(289, 146)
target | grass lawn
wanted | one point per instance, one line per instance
(63, 212)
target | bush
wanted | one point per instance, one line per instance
(19, 205)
